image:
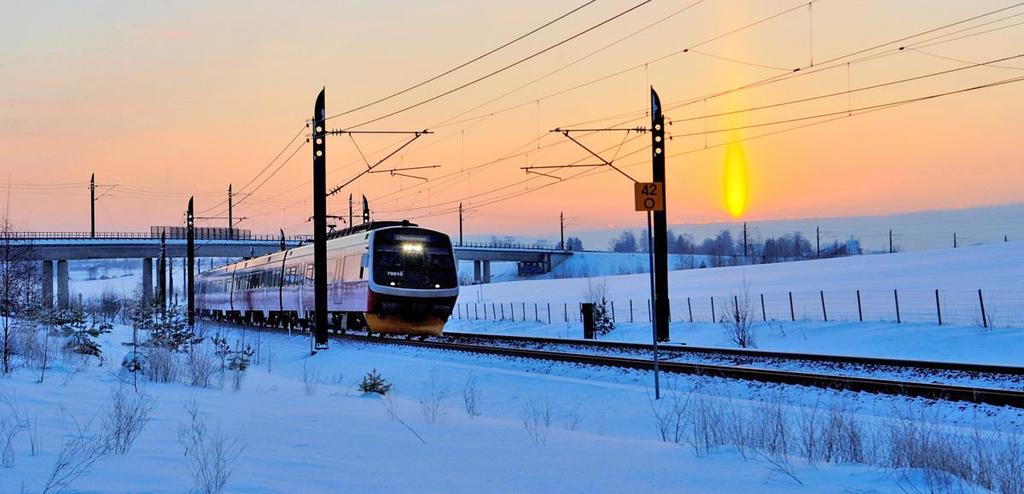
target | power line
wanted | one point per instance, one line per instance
(844, 114)
(500, 70)
(972, 65)
(464, 64)
(264, 169)
(854, 110)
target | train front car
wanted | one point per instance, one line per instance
(413, 281)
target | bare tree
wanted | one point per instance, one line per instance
(17, 274)
(739, 322)
(209, 453)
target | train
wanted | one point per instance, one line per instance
(386, 277)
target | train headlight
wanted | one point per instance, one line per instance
(412, 248)
(437, 285)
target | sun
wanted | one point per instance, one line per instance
(736, 181)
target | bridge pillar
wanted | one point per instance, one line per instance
(487, 272)
(47, 282)
(62, 284)
(476, 271)
(147, 279)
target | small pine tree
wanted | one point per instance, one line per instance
(169, 330)
(239, 359)
(603, 323)
(81, 337)
(373, 382)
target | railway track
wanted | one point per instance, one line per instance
(749, 355)
(936, 391)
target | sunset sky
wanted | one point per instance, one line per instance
(172, 99)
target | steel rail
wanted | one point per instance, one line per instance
(990, 396)
(753, 353)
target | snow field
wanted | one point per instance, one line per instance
(989, 267)
(327, 436)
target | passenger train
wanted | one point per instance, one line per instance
(386, 277)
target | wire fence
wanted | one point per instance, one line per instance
(982, 308)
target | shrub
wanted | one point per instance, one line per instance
(536, 416)
(210, 454)
(124, 418)
(373, 382)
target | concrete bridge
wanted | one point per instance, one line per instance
(61, 247)
(538, 259)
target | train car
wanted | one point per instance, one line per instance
(385, 277)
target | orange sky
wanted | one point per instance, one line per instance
(173, 99)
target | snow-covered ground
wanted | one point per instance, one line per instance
(602, 435)
(989, 267)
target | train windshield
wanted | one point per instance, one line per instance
(413, 258)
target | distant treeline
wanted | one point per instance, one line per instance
(726, 244)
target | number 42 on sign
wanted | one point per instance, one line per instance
(649, 196)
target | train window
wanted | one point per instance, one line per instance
(309, 272)
(352, 268)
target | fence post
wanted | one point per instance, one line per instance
(630, 310)
(476, 311)
(984, 317)
(713, 318)
(824, 314)
(860, 311)
(502, 311)
(764, 315)
(938, 308)
(613, 310)
(896, 296)
(549, 312)
(565, 310)
(792, 313)
(649, 314)
(524, 311)
(689, 308)
(536, 313)
(459, 308)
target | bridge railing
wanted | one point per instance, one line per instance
(507, 245)
(148, 236)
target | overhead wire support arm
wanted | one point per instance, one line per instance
(397, 172)
(568, 134)
(416, 134)
(529, 171)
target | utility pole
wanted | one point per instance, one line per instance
(190, 247)
(366, 210)
(561, 229)
(350, 209)
(817, 236)
(231, 218)
(283, 244)
(890, 240)
(745, 254)
(954, 240)
(460, 224)
(661, 303)
(170, 281)
(92, 206)
(162, 268)
(319, 224)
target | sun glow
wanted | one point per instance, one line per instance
(736, 182)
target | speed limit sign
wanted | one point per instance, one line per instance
(649, 196)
